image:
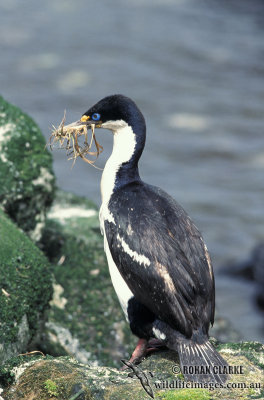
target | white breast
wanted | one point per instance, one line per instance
(123, 149)
(123, 292)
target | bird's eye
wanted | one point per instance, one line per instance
(96, 117)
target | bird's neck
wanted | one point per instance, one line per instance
(122, 166)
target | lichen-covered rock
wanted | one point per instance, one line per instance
(64, 378)
(223, 330)
(85, 319)
(25, 289)
(26, 176)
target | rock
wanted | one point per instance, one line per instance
(258, 272)
(65, 378)
(251, 269)
(25, 289)
(26, 177)
(223, 330)
(85, 320)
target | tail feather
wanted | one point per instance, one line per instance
(201, 362)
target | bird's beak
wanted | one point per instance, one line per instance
(85, 121)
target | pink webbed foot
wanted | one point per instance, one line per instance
(155, 345)
(138, 354)
(143, 349)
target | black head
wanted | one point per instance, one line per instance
(122, 116)
(114, 112)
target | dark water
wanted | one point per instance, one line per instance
(196, 70)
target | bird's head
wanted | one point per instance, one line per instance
(113, 112)
(117, 113)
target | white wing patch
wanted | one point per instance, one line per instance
(163, 272)
(208, 259)
(140, 258)
(158, 334)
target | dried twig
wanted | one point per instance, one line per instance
(5, 292)
(70, 139)
(33, 352)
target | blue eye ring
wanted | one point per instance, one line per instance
(96, 116)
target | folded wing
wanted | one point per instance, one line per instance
(162, 257)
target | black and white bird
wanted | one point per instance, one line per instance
(159, 264)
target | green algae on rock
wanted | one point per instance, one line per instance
(85, 319)
(253, 351)
(26, 177)
(25, 289)
(51, 388)
(63, 377)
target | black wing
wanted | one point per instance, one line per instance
(161, 256)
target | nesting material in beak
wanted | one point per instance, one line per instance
(74, 139)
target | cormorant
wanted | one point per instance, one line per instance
(159, 264)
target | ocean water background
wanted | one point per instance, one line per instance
(196, 69)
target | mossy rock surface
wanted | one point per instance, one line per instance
(65, 378)
(85, 319)
(26, 176)
(25, 288)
